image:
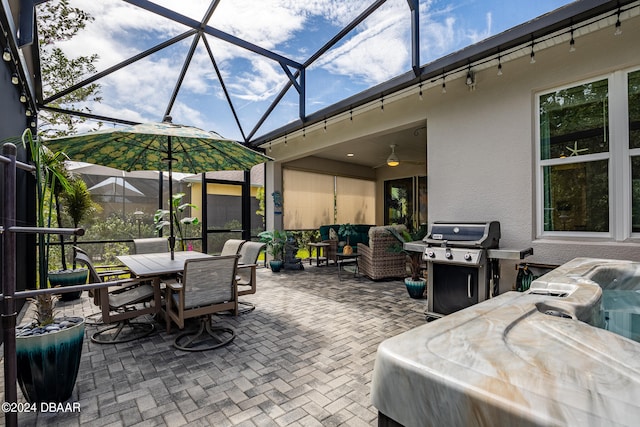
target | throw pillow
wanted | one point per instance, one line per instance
(332, 234)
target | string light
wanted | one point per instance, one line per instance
(471, 79)
(14, 79)
(28, 113)
(572, 43)
(470, 76)
(6, 54)
(533, 55)
(23, 97)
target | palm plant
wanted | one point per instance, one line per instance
(78, 205)
(49, 175)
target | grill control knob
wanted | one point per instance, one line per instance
(448, 254)
(467, 256)
(431, 254)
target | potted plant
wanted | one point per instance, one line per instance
(77, 206)
(275, 241)
(180, 221)
(415, 283)
(347, 230)
(48, 349)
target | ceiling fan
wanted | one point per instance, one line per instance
(393, 160)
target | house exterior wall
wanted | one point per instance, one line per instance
(481, 144)
(481, 150)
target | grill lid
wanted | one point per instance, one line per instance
(485, 235)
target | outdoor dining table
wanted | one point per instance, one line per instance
(157, 264)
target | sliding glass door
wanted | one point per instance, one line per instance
(405, 201)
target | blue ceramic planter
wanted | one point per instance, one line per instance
(69, 278)
(276, 265)
(415, 288)
(48, 364)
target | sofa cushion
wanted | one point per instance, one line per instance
(333, 234)
(362, 234)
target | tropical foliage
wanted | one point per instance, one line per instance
(58, 21)
(181, 222)
(275, 241)
(414, 259)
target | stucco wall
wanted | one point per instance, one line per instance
(481, 144)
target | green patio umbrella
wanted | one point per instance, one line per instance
(154, 146)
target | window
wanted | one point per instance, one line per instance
(586, 168)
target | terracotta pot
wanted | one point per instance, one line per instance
(347, 250)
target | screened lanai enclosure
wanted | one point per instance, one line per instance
(127, 202)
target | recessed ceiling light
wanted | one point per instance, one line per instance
(350, 154)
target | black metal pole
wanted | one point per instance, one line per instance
(205, 214)
(246, 205)
(172, 237)
(9, 285)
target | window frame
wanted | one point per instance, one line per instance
(619, 161)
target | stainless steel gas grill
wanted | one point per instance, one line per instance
(462, 263)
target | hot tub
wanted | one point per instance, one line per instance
(541, 358)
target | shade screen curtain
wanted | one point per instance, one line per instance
(308, 199)
(355, 201)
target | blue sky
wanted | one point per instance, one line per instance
(376, 51)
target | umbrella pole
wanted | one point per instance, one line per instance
(172, 237)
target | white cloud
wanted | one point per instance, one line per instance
(473, 36)
(377, 50)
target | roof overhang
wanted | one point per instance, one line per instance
(572, 15)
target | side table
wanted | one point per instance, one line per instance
(319, 246)
(347, 259)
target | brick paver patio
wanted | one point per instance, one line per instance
(304, 357)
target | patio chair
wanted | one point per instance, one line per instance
(246, 277)
(126, 299)
(208, 286)
(97, 275)
(151, 245)
(232, 247)
(378, 260)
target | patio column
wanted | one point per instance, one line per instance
(273, 183)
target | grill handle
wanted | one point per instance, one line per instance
(469, 286)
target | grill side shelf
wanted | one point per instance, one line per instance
(509, 253)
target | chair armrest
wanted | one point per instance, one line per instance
(365, 250)
(247, 265)
(174, 286)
